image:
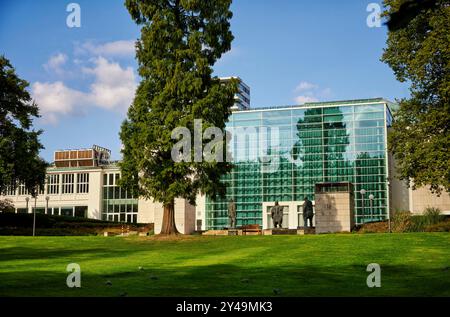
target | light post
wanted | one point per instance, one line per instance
(371, 197)
(27, 199)
(47, 198)
(34, 216)
(362, 192)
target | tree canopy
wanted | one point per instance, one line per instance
(180, 42)
(418, 51)
(19, 143)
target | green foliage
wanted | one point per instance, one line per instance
(180, 41)
(419, 53)
(6, 205)
(19, 144)
(432, 215)
(48, 225)
(403, 221)
(443, 226)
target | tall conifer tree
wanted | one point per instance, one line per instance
(180, 42)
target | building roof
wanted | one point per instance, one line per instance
(326, 103)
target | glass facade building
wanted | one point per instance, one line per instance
(279, 154)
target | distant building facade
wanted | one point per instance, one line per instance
(341, 141)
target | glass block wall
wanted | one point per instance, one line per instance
(281, 153)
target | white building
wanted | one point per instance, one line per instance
(242, 97)
(83, 183)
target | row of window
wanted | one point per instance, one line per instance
(54, 186)
(130, 218)
(81, 211)
(68, 211)
(301, 113)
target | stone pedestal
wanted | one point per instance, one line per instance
(306, 230)
(281, 231)
(233, 232)
(278, 231)
(334, 212)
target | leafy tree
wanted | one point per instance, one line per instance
(418, 51)
(19, 144)
(180, 42)
(6, 205)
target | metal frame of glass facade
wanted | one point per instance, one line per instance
(118, 204)
(281, 153)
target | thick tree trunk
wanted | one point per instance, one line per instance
(168, 222)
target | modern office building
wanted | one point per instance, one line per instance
(279, 154)
(242, 97)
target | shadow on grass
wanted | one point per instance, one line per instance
(26, 253)
(232, 280)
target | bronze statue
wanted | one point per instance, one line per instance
(308, 212)
(277, 215)
(232, 213)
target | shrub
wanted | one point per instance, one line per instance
(401, 221)
(21, 224)
(417, 224)
(432, 216)
(443, 226)
(6, 205)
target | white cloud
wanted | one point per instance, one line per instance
(302, 99)
(55, 63)
(124, 48)
(310, 92)
(55, 99)
(305, 86)
(112, 88)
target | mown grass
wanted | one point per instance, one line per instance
(414, 264)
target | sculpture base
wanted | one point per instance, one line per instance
(233, 232)
(306, 230)
(280, 231)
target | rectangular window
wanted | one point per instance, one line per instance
(81, 211)
(10, 190)
(67, 211)
(40, 210)
(67, 183)
(53, 184)
(83, 183)
(22, 190)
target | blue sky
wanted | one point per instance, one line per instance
(287, 51)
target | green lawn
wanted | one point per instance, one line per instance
(416, 264)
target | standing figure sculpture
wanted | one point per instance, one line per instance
(308, 212)
(232, 213)
(277, 215)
